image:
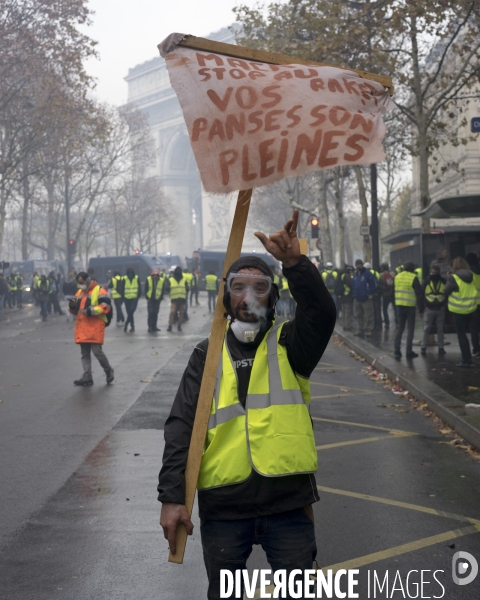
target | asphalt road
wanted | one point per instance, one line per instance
(79, 468)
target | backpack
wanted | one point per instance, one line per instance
(330, 281)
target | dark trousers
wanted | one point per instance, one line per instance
(54, 303)
(43, 308)
(153, 307)
(19, 298)
(475, 330)
(11, 298)
(193, 293)
(288, 540)
(406, 316)
(130, 307)
(461, 325)
(185, 312)
(86, 350)
(118, 308)
(212, 297)
(386, 301)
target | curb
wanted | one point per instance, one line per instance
(444, 405)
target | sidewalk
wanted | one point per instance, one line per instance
(431, 378)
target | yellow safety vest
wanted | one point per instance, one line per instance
(464, 301)
(346, 288)
(432, 294)
(276, 279)
(115, 281)
(93, 296)
(211, 283)
(399, 269)
(188, 277)
(476, 281)
(419, 273)
(178, 291)
(324, 277)
(13, 284)
(273, 434)
(158, 289)
(404, 292)
(376, 273)
(131, 287)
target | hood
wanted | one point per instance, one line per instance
(252, 262)
(466, 276)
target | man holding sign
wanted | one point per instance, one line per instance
(256, 482)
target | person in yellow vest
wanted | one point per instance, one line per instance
(408, 293)
(92, 307)
(12, 296)
(194, 288)
(189, 277)
(19, 284)
(117, 286)
(154, 295)
(474, 264)
(462, 302)
(177, 287)
(211, 285)
(131, 293)
(433, 289)
(266, 474)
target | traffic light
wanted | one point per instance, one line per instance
(72, 247)
(314, 225)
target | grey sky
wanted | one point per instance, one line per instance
(128, 32)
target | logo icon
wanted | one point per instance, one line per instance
(461, 563)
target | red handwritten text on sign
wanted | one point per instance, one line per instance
(251, 124)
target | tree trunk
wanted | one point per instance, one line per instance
(3, 215)
(51, 220)
(324, 219)
(362, 195)
(341, 222)
(26, 205)
(421, 125)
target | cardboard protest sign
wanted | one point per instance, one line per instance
(253, 123)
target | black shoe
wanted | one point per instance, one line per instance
(179, 328)
(411, 355)
(44, 319)
(156, 329)
(424, 351)
(169, 328)
(441, 351)
(109, 373)
(150, 330)
(125, 328)
(397, 354)
(132, 329)
(85, 380)
(462, 365)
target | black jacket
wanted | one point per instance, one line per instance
(305, 338)
(436, 304)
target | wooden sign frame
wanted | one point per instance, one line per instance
(234, 247)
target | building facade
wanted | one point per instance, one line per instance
(204, 218)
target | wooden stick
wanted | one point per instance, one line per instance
(198, 43)
(215, 344)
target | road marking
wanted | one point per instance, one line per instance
(367, 393)
(351, 443)
(362, 561)
(397, 503)
(368, 559)
(344, 387)
(399, 432)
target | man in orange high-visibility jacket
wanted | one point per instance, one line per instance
(92, 306)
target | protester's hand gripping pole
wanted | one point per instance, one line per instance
(215, 343)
